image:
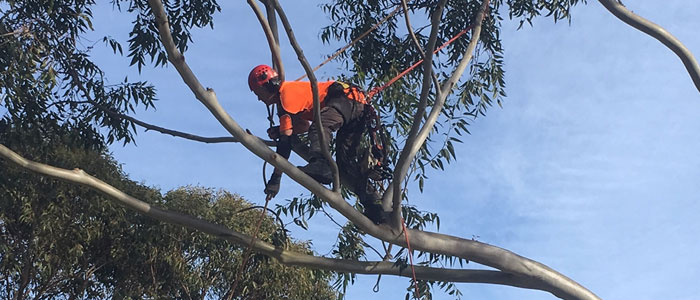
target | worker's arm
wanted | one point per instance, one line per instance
(299, 125)
(286, 125)
(284, 149)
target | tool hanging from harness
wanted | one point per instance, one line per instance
(361, 144)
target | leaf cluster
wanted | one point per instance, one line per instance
(46, 72)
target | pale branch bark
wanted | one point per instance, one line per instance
(405, 159)
(411, 33)
(314, 91)
(412, 147)
(659, 33)
(285, 257)
(475, 251)
(271, 38)
(272, 20)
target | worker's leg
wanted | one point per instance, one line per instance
(337, 112)
(318, 168)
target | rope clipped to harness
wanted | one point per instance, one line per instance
(377, 160)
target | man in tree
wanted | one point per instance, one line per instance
(341, 105)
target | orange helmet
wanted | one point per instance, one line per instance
(260, 76)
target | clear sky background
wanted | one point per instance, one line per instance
(591, 167)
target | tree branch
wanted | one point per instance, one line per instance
(314, 92)
(405, 158)
(285, 257)
(175, 133)
(659, 33)
(271, 38)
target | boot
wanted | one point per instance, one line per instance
(373, 207)
(375, 213)
(319, 170)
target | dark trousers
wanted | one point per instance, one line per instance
(338, 112)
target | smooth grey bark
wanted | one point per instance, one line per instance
(625, 15)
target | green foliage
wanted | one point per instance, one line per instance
(46, 72)
(59, 240)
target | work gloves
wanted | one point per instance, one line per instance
(273, 185)
(273, 133)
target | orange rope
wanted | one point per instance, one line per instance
(377, 90)
(410, 256)
(353, 42)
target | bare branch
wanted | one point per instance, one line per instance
(659, 33)
(436, 82)
(175, 133)
(285, 257)
(271, 38)
(314, 92)
(405, 157)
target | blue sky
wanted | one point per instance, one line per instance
(590, 167)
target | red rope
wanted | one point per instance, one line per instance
(410, 256)
(377, 90)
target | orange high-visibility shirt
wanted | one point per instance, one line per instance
(296, 99)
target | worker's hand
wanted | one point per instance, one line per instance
(273, 185)
(273, 132)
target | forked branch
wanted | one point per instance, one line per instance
(271, 38)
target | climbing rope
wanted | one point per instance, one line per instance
(377, 90)
(363, 35)
(248, 251)
(410, 256)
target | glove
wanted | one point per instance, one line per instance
(273, 185)
(273, 133)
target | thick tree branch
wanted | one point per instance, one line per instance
(475, 251)
(405, 157)
(272, 20)
(271, 38)
(659, 33)
(314, 91)
(285, 257)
